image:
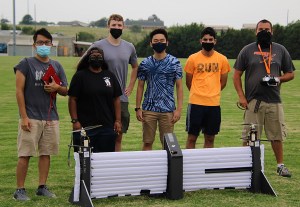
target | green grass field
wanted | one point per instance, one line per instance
(61, 176)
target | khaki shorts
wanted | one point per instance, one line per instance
(150, 124)
(125, 116)
(269, 116)
(43, 138)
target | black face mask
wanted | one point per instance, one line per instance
(264, 38)
(95, 61)
(116, 33)
(208, 46)
(159, 47)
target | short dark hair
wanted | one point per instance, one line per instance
(264, 21)
(159, 31)
(44, 32)
(208, 30)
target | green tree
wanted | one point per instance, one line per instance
(5, 26)
(85, 36)
(278, 34)
(4, 21)
(136, 28)
(292, 39)
(27, 19)
(45, 23)
(28, 30)
(184, 40)
(143, 48)
(100, 23)
(230, 42)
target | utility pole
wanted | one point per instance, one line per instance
(14, 27)
(34, 17)
(287, 18)
(27, 6)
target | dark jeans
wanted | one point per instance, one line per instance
(101, 139)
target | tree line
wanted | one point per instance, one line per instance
(184, 40)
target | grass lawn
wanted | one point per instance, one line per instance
(61, 176)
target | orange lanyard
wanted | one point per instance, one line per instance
(268, 67)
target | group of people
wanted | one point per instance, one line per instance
(98, 94)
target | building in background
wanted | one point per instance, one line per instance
(24, 48)
(151, 23)
(62, 45)
(249, 26)
(73, 24)
(219, 28)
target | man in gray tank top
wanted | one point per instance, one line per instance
(118, 53)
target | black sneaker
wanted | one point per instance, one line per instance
(20, 195)
(44, 191)
(283, 171)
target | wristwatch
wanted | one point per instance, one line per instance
(74, 121)
(136, 109)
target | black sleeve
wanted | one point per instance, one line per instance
(116, 85)
(75, 85)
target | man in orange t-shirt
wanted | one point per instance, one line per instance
(206, 75)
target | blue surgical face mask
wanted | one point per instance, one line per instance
(43, 50)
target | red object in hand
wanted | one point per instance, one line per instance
(50, 72)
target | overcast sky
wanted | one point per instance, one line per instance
(233, 13)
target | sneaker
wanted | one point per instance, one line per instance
(44, 191)
(283, 171)
(20, 195)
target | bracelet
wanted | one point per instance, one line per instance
(118, 121)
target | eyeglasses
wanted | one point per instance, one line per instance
(40, 42)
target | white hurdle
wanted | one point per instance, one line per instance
(217, 168)
(128, 173)
(171, 171)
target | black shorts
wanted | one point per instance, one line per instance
(125, 116)
(203, 118)
(101, 139)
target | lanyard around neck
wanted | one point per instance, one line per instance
(268, 67)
